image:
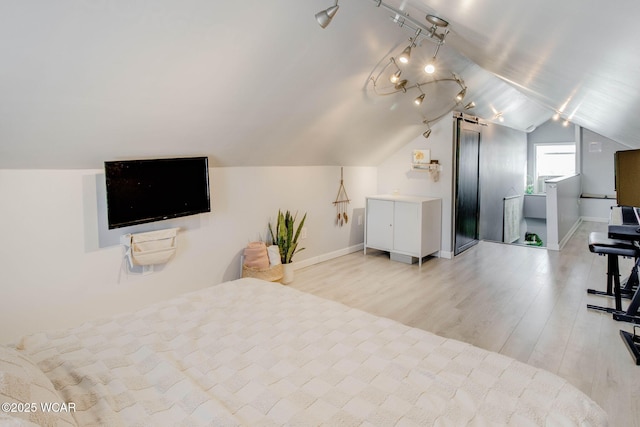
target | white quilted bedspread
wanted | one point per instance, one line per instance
(256, 353)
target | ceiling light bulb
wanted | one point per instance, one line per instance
(565, 123)
(419, 99)
(324, 17)
(427, 133)
(501, 118)
(556, 117)
(395, 77)
(405, 55)
(430, 68)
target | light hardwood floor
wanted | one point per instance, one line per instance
(528, 303)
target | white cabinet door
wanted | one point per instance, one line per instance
(406, 225)
(380, 224)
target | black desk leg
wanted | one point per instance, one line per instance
(613, 286)
(632, 341)
(629, 285)
(616, 281)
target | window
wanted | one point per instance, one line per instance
(552, 161)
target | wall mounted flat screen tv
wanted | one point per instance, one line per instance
(627, 177)
(141, 191)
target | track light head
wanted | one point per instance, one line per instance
(427, 132)
(401, 85)
(418, 100)
(405, 55)
(395, 77)
(324, 17)
(461, 94)
(470, 105)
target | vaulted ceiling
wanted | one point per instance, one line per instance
(260, 83)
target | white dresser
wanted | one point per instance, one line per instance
(405, 226)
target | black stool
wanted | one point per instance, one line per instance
(601, 244)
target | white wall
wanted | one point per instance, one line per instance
(595, 164)
(60, 265)
(598, 175)
(563, 210)
(395, 174)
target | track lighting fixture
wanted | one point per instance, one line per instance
(430, 68)
(405, 55)
(470, 105)
(556, 117)
(565, 123)
(395, 77)
(419, 99)
(403, 19)
(436, 22)
(401, 85)
(324, 17)
(400, 75)
(427, 133)
(499, 117)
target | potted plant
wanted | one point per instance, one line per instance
(286, 237)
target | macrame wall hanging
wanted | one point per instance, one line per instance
(342, 202)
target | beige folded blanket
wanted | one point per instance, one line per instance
(255, 255)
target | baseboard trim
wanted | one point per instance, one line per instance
(595, 219)
(568, 236)
(326, 257)
(346, 251)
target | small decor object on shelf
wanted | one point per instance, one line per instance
(342, 202)
(529, 188)
(286, 238)
(421, 159)
(434, 170)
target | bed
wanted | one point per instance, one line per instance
(250, 352)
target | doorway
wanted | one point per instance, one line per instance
(466, 185)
